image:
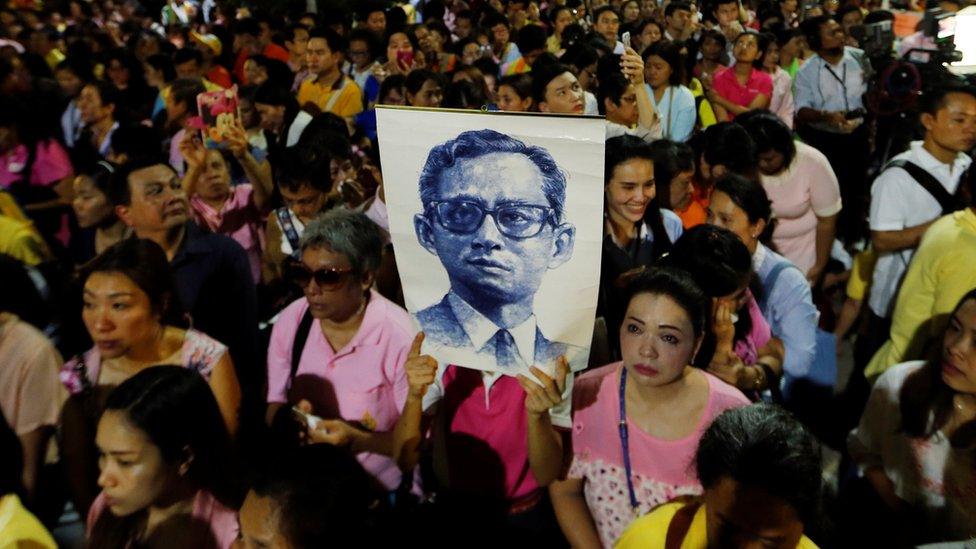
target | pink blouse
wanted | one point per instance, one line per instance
(662, 469)
(807, 189)
(238, 218)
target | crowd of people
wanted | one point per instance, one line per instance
(208, 347)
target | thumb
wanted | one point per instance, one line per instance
(304, 406)
(418, 341)
(562, 370)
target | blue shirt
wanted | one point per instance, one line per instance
(825, 87)
(787, 305)
(677, 111)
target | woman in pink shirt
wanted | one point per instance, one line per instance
(166, 466)
(238, 211)
(338, 353)
(804, 191)
(743, 86)
(636, 423)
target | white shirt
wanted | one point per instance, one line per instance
(936, 479)
(899, 202)
(590, 105)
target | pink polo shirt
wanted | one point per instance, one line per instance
(223, 521)
(363, 383)
(661, 469)
(726, 85)
(238, 218)
(487, 443)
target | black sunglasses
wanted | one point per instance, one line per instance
(324, 278)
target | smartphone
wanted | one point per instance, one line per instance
(369, 183)
(405, 58)
(310, 420)
(626, 39)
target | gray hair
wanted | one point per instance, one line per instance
(349, 233)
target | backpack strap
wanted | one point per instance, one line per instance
(288, 229)
(680, 524)
(301, 336)
(336, 92)
(772, 277)
(927, 181)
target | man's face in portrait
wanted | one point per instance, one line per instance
(494, 229)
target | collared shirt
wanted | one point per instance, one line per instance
(349, 101)
(940, 274)
(727, 85)
(238, 218)
(899, 202)
(825, 87)
(364, 382)
(781, 103)
(480, 330)
(788, 307)
(214, 283)
(71, 123)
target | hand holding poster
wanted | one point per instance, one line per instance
(496, 222)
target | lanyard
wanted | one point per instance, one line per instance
(625, 441)
(842, 80)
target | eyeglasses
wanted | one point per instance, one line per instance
(512, 220)
(324, 278)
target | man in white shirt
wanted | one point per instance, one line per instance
(902, 209)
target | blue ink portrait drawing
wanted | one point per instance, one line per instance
(493, 214)
(496, 222)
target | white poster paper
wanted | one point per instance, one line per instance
(497, 223)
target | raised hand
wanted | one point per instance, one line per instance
(539, 398)
(632, 66)
(236, 140)
(722, 325)
(193, 152)
(421, 369)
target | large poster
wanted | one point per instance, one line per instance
(497, 223)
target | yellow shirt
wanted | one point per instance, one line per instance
(706, 115)
(861, 274)
(651, 530)
(941, 272)
(348, 103)
(19, 528)
(21, 241)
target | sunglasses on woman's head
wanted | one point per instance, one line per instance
(324, 278)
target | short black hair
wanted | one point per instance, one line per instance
(811, 30)
(764, 446)
(79, 66)
(187, 54)
(542, 76)
(748, 195)
(849, 8)
(531, 38)
(521, 83)
(372, 42)
(678, 5)
(729, 144)
(119, 190)
(769, 132)
(677, 285)
(601, 10)
(322, 494)
(186, 90)
(936, 97)
(670, 52)
(291, 29)
(715, 257)
(144, 263)
(762, 44)
(275, 93)
(336, 43)
(248, 26)
(164, 64)
(612, 86)
(671, 158)
(304, 165)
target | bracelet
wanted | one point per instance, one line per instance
(760, 378)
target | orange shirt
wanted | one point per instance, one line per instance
(693, 215)
(348, 103)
